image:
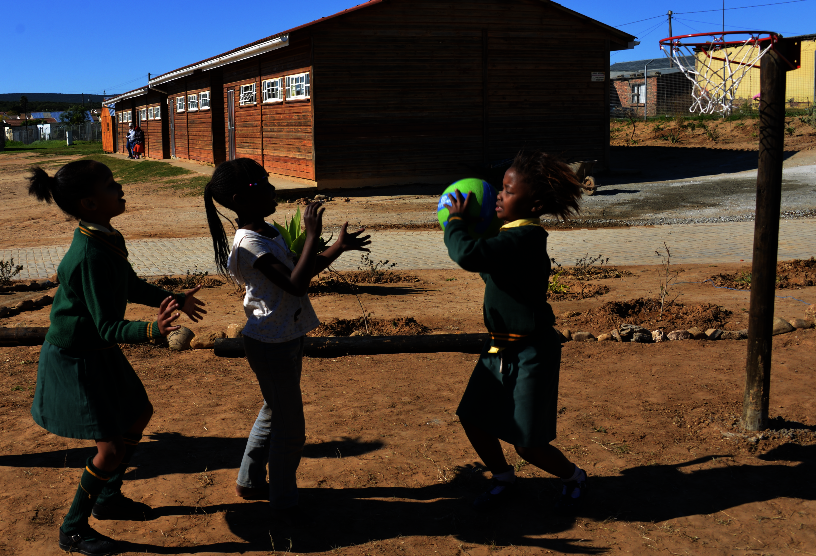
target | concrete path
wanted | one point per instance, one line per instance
(693, 243)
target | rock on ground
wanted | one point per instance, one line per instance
(206, 340)
(781, 326)
(582, 336)
(658, 336)
(679, 335)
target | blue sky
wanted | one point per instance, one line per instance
(91, 47)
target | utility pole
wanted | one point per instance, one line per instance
(670, 29)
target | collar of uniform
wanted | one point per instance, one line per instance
(522, 222)
(97, 228)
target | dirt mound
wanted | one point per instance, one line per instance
(577, 290)
(189, 281)
(794, 274)
(646, 312)
(404, 326)
(346, 282)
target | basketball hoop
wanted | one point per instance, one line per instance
(721, 60)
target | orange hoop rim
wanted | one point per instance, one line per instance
(754, 38)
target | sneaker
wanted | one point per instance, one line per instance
(494, 496)
(573, 493)
(89, 543)
(250, 493)
(123, 508)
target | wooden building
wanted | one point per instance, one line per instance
(399, 91)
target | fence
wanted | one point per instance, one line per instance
(667, 92)
(89, 131)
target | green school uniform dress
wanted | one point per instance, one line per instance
(513, 391)
(85, 386)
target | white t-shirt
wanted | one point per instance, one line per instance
(273, 315)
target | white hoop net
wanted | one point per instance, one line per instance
(718, 68)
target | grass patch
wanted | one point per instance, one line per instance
(192, 187)
(54, 147)
(127, 171)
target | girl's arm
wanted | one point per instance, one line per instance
(345, 242)
(296, 281)
(144, 293)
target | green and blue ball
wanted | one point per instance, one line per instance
(482, 208)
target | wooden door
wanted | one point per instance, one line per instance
(171, 114)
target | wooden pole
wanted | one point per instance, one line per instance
(766, 242)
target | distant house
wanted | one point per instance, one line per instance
(663, 89)
(391, 91)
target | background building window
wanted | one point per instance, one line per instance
(272, 90)
(638, 93)
(204, 100)
(297, 86)
(142, 114)
(179, 104)
(157, 112)
(247, 94)
(192, 102)
(150, 113)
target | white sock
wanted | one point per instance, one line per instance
(506, 477)
(577, 474)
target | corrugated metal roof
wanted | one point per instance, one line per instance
(654, 64)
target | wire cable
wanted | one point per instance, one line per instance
(717, 10)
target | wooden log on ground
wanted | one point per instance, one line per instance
(23, 335)
(371, 345)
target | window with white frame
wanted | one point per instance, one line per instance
(179, 104)
(119, 117)
(192, 102)
(150, 113)
(247, 94)
(637, 93)
(272, 90)
(143, 114)
(297, 86)
(130, 116)
(204, 100)
(157, 112)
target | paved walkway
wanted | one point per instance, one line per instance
(693, 243)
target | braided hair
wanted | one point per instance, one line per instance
(229, 178)
(72, 183)
(552, 181)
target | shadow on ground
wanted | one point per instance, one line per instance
(648, 164)
(354, 516)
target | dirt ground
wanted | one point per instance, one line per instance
(387, 469)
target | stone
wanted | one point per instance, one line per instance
(567, 334)
(205, 340)
(179, 340)
(4, 311)
(357, 333)
(616, 335)
(734, 335)
(713, 333)
(627, 332)
(234, 330)
(781, 326)
(43, 300)
(696, 333)
(582, 336)
(606, 338)
(642, 337)
(799, 323)
(679, 335)
(658, 336)
(54, 278)
(810, 313)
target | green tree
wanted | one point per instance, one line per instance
(75, 115)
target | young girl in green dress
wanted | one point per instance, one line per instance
(512, 394)
(85, 386)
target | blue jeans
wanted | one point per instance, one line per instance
(130, 148)
(279, 432)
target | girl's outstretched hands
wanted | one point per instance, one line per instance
(193, 307)
(351, 241)
(313, 219)
(459, 204)
(166, 315)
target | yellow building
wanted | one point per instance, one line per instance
(800, 89)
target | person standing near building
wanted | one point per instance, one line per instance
(131, 140)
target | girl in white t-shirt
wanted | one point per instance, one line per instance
(279, 315)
